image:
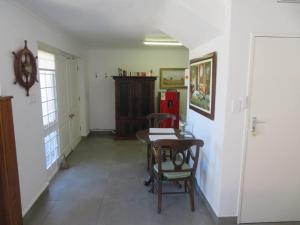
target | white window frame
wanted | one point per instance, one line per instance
(47, 72)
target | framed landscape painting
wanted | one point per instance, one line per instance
(203, 85)
(172, 78)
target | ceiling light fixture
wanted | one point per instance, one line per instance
(162, 43)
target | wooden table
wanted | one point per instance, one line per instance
(143, 136)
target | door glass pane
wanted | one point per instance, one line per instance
(49, 106)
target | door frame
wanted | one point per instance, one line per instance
(246, 122)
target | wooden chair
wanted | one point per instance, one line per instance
(182, 166)
(155, 120)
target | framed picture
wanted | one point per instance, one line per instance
(171, 78)
(203, 85)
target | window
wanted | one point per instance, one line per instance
(49, 105)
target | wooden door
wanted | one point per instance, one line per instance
(10, 199)
(271, 183)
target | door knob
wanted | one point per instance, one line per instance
(71, 115)
(255, 121)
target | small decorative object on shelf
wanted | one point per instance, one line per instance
(25, 68)
(120, 72)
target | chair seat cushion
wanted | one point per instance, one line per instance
(168, 165)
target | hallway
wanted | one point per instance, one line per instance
(104, 186)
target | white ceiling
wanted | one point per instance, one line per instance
(129, 22)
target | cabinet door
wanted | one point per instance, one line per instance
(145, 98)
(9, 181)
(124, 99)
(127, 128)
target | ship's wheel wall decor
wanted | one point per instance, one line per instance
(25, 68)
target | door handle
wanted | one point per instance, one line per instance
(71, 115)
(255, 121)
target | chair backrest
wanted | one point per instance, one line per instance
(181, 153)
(154, 119)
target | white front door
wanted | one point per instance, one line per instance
(73, 104)
(271, 181)
(68, 104)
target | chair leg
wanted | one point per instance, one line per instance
(185, 186)
(159, 194)
(192, 194)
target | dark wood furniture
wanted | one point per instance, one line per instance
(178, 168)
(154, 121)
(10, 201)
(134, 98)
(143, 136)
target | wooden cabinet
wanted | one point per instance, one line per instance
(10, 202)
(134, 101)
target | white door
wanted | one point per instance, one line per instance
(73, 103)
(68, 104)
(63, 102)
(271, 182)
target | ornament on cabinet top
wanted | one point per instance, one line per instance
(25, 68)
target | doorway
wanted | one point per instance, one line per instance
(68, 103)
(271, 182)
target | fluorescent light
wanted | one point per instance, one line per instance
(165, 43)
(288, 1)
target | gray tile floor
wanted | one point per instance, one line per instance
(104, 186)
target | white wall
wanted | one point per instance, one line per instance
(248, 16)
(192, 22)
(209, 172)
(17, 25)
(220, 168)
(106, 61)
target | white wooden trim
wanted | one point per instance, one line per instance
(246, 123)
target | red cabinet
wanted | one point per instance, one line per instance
(169, 103)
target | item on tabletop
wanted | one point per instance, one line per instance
(160, 136)
(161, 131)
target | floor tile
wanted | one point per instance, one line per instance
(74, 213)
(104, 186)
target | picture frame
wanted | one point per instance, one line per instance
(172, 78)
(203, 85)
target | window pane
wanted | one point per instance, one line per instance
(52, 117)
(42, 80)
(45, 108)
(45, 120)
(46, 60)
(51, 106)
(50, 94)
(49, 80)
(43, 95)
(48, 97)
